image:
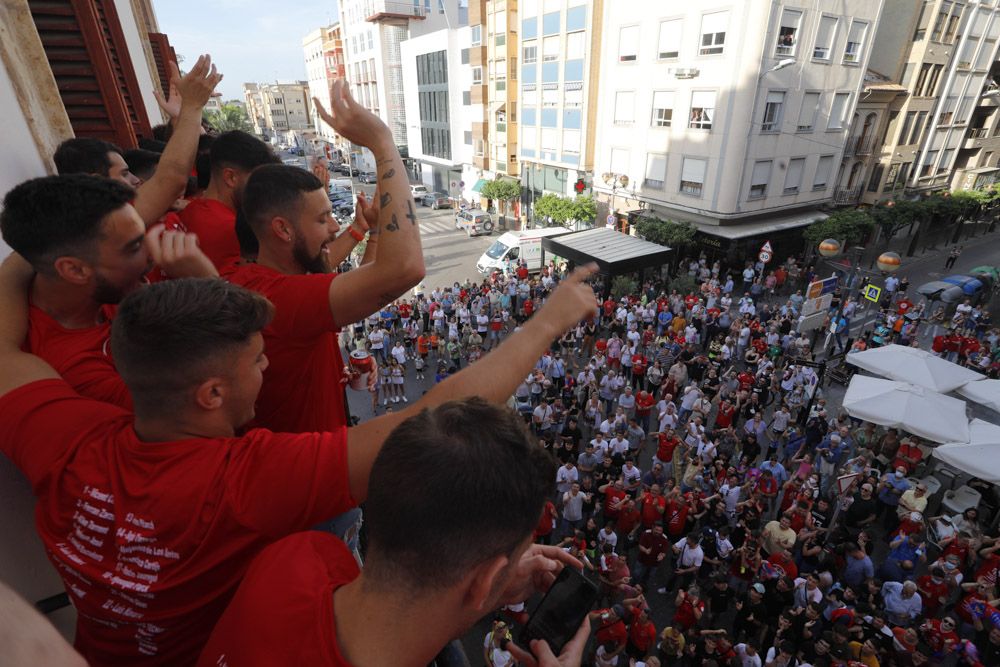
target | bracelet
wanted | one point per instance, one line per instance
(356, 235)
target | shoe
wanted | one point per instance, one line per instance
(661, 591)
(405, 400)
(395, 399)
(385, 401)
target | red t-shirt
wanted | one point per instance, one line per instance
(685, 614)
(529, 307)
(675, 517)
(931, 600)
(283, 612)
(644, 402)
(609, 307)
(611, 497)
(628, 520)
(302, 390)
(638, 365)
(724, 417)
(81, 356)
(641, 635)
(405, 311)
(215, 225)
(544, 526)
(665, 447)
(152, 539)
(522, 272)
(614, 632)
(651, 506)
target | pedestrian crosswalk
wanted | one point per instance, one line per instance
(437, 225)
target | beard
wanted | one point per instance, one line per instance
(317, 263)
(106, 292)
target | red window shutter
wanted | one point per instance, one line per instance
(163, 55)
(86, 49)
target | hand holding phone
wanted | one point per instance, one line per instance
(558, 618)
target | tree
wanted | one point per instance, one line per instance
(551, 206)
(849, 226)
(231, 116)
(666, 232)
(582, 209)
(504, 192)
(562, 209)
(622, 286)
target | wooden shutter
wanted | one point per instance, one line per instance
(86, 49)
(163, 55)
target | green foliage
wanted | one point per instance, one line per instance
(847, 225)
(564, 209)
(623, 286)
(666, 232)
(231, 116)
(503, 192)
(684, 284)
(582, 208)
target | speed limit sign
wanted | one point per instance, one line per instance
(764, 256)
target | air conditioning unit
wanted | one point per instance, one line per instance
(686, 73)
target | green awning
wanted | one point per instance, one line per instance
(478, 187)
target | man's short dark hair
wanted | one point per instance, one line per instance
(141, 162)
(275, 189)
(239, 150)
(453, 487)
(84, 155)
(170, 336)
(53, 216)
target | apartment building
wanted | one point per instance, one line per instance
(559, 69)
(280, 112)
(437, 80)
(372, 33)
(324, 56)
(732, 116)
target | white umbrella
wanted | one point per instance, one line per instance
(913, 365)
(980, 456)
(984, 392)
(915, 409)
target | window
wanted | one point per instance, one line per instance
(466, 98)
(907, 127)
(529, 28)
(663, 108)
(693, 176)
(620, 158)
(948, 110)
(825, 35)
(467, 138)
(573, 97)
(855, 42)
(967, 54)
(656, 171)
(500, 22)
(985, 55)
(807, 114)
(987, 158)
(465, 56)
(890, 179)
(529, 96)
(550, 140)
(628, 44)
(788, 32)
(477, 75)
(551, 23)
(823, 168)
(952, 28)
(702, 110)
(550, 49)
(964, 109)
(576, 18)
(500, 70)
(575, 45)
(669, 45)
(772, 112)
(876, 178)
(793, 176)
(624, 107)
(904, 174)
(925, 71)
(933, 81)
(713, 33)
(837, 110)
(529, 138)
(550, 95)
(530, 53)
(927, 167)
(571, 141)
(946, 159)
(919, 127)
(759, 179)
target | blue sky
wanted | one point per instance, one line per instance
(249, 40)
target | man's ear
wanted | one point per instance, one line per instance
(73, 270)
(282, 229)
(482, 583)
(210, 394)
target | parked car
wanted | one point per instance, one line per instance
(474, 222)
(345, 168)
(367, 177)
(296, 150)
(418, 191)
(436, 200)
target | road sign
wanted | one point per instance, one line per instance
(611, 221)
(820, 287)
(764, 256)
(811, 322)
(767, 248)
(820, 304)
(873, 293)
(845, 482)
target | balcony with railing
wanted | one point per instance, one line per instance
(387, 10)
(860, 145)
(979, 133)
(844, 196)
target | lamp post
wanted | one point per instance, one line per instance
(615, 182)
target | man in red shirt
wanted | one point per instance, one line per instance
(89, 248)
(614, 498)
(653, 549)
(641, 632)
(666, 446)
(233, 155)
(153, 519)
(639, 364)
(154, 197)
(522, 271)
(652, 505)
(644, 402)
(611, 631)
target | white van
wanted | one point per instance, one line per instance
(344, 183)
(520, 246)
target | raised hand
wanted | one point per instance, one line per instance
(351, 120)
(178, 254)
(171, 105)
(196, 87)
(366, 213)
(574, 300)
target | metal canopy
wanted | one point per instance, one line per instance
(614, 252)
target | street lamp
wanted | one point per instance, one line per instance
(888, 262)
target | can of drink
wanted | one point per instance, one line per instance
(361, 365)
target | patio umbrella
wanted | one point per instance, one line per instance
(990, 271)
(920, 411)
(910, 364)
(984, 392)
(980, 456)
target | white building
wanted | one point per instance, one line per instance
(439, 111)
(732, 116)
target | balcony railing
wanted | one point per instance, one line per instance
(386, 9)
(846, 196)
(979, 132)
(860, 145)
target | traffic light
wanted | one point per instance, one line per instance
(579, 186)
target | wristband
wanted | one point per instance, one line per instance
(356, 235)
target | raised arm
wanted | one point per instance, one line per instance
(399, 262)
(156, 195)
(17, 368)
(505, 367)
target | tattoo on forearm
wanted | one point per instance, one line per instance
(389, 174)
(411, 215)
(394, 224)
(384, 199)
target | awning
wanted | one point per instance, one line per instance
(478, 187)
(776, 224)
(615, 253)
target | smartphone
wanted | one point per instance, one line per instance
(562, 610)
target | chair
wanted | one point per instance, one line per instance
(960, 499)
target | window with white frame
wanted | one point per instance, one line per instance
(693, 176)
(550, 48)
(477, 35)
(788, 32)
(573, 98)
(575, 45)
(550, 95)
(529, 53)
(529, 138)
(625, 107)
(656, 171)
(713, 33)
(773, 106)
(837, 111)
(628, 44)
(529, 96)
(528, 7)
(620, 158)
(550, 139)
(500, 70)
(927, 167)
(669, 44)
(824, 167)
(807, 114)
(702, 110)
(855, 41)
(479, 147)
(477, 75)
(500, 22)
(759, 179)
(663, 108)
(793, 175)
(985, 56)
(571, 141)
(825, 35)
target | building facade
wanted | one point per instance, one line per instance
(324, 57)
(280, 112)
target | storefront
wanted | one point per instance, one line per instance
(742, 242)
